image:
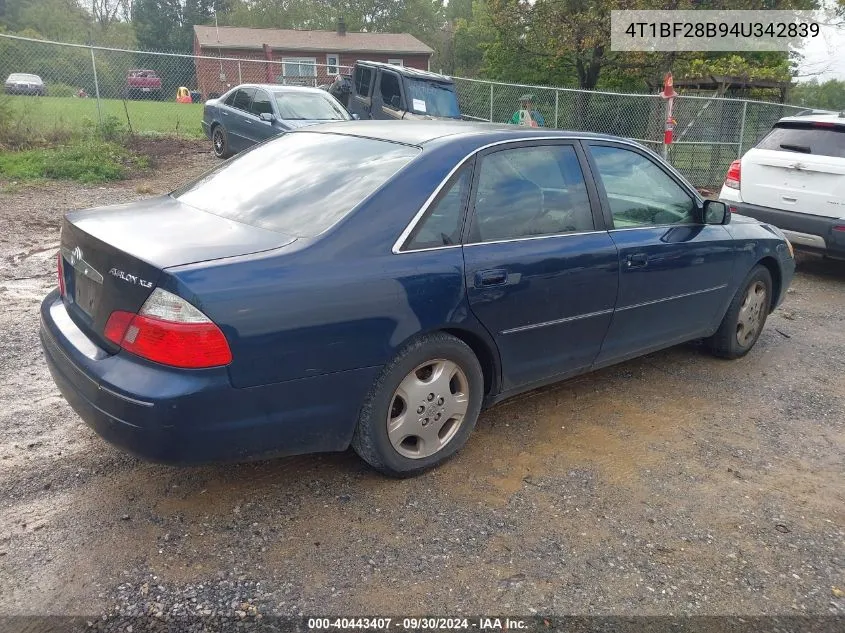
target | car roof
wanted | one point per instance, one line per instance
(281, 88)
(406, 70)
(816, 117)
(422, 132)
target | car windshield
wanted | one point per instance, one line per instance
(309, 106)
(433, 98)
(298, 184)
(24, 77)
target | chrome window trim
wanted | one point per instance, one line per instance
(397, 245)
(532, 237)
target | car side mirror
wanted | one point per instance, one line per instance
(716, 212)
(267, 116)
(395, 101)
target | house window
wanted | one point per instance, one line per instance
(332, 62)
(294, 68)
(396, 62)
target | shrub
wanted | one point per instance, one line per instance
(86, 161)
(61, 90)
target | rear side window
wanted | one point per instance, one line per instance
(242, 98)
(443, 222)
(806, 138)
(298, 184)
(530, 191)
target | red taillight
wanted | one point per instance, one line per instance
(170, 331)
(839, 227)
(60, 269)
(733, 177)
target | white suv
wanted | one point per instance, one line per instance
(795, 180)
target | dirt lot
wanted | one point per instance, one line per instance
(676, 483)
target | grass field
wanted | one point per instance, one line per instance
(48, 114)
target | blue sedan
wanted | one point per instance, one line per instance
(376, 284)
(252, 113)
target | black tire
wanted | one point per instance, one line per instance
(733, 339)
(220, 142)
(371, 440)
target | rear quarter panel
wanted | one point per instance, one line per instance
(342, 300)
(289, 316)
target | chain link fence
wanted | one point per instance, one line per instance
(90, 87)
(709, 133)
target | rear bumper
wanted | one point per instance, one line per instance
(807, 232)
(23, 90)
(195, 416)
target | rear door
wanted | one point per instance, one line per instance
(674, 271)
(798, 167)
(541, 271)
(235, 111)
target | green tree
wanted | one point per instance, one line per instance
(829, 95)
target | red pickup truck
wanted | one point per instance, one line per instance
(143, 84)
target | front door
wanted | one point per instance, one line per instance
(360, 102)
(541, 271)
(387, 96)
(259, 129)
(675, 271)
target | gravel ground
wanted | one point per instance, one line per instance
(673, 484)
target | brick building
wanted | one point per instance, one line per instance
(293, 57)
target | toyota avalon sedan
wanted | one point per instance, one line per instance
(376, 284)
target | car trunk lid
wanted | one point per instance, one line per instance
(798, 167)
(113, 258)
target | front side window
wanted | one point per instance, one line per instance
(309, 106)
(442, 223)
(298, 184)
(638, 191)
(261, 103)
(528, 192)
(363, 80)
(389, 86)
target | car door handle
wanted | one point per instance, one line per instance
(495, 277)
(637, 260)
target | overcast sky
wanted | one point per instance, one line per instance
(824, 56)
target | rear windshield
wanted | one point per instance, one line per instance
(805, 138)
(298, 184)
